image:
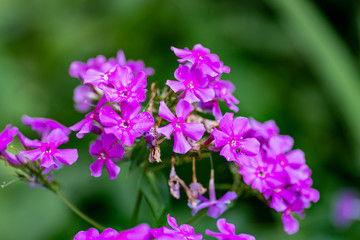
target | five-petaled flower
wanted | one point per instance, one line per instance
(48, 150)
(128, 127)
(179, 127)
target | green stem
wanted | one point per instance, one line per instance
(79, 213)
(197, 217)
(136, 209)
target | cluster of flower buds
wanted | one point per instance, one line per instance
(37, 157)
(183, 232)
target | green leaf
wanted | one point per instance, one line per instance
(156, 192)
(139, 155)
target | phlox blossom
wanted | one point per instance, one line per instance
(179, 127)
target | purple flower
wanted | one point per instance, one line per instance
(179, 127)
(346, 208)
(194, 84)
(96, 77)
(292, 163)
(259, 174)
(227, 232)
(281, 197)
(263, 131)
(78, 69)
(200, 56)
(13, 159)
(140, 232)
(230, 137)
(86, 125)
(47, 150)
(291, 225)
(212, 107)
(223, 91)
(44, 126)
(123, 86)
(128, 127)
(216, 207)
(135, 66)
(7, 136)
(83, 96)
(184, 232)
(93, 234)
(106, 149)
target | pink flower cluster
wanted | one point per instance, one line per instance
(199, 80)
(120, 87)
(183, 232)
(280, 173)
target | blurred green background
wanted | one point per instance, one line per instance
(294, 61)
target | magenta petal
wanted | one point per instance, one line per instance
(296, 157)
(181, 145)
(216, 210)
(291, 226)
(241, 126)
(172, 222)
(116, 152)
(205, 94)
(32, 155)
(143, 122)
(28, 142)
(226, 124)
(109, 234)
(224, 227)
(221, 138)
(112, 168)
(190, 96)
(183, 109)
(176, 86)
(140, 80)
(194, 131)
(227, 153)
(57, 137)
(165, 112)
(129, 110)
(82, 125)
(281, 144)
(96, 168)
(278, 203)
(108, 116)
(249, 146)
(128, 137)
(91, 234)
(66, 156)
(166, 130)
(140, 232)
(47, 160)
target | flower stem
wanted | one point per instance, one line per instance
(78, 212)
(136, 208)
(197, 217)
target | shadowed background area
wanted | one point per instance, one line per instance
(296, 62)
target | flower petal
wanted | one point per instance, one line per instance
(176, 86)
(183, 109)
(66, 156)
(112, 168)
(143, 122)
(181, 145)
(96, 168)
(165, 112)
(194, 131)
(166, 130)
